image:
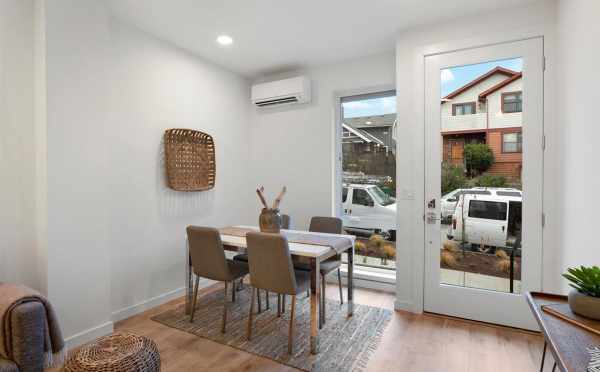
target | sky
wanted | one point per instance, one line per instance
(451, 79)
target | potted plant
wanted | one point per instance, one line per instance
(584, 298)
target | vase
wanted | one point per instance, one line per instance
(584, 305)
(269, 220)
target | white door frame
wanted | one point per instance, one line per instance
(508, 309)
(410, 79)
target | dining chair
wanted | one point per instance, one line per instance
(329, 225)
(208, 261)
(271, 269)
(243, 257)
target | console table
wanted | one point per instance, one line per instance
(567, 342)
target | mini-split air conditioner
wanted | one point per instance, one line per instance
(281, 92)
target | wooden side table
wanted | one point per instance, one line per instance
(567, 342)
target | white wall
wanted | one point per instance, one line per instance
(18, 255)
(115, 232)
(578, 33)
(155, 86)
(293, 145)
(537, 19)
(77, 66)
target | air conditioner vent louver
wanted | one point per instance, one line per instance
(281, 92)
(277, 101)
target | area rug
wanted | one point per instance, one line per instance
(346, 344)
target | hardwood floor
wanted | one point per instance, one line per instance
(410, 343)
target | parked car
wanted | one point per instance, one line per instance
(449, 200)
(367, 210)
(491, 220)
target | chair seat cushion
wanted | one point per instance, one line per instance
(243, 257)
(238, 269)
(325, 267)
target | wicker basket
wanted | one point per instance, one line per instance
(115, 353)
(190, 159)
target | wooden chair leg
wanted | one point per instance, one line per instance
(322, 302)
(340, 284)
(259, 302)
(267, 299)
(232, 291)
(195, 298)
(225, 305)
(278, 305)
(291, 334)
(249, 330)
(282, 304)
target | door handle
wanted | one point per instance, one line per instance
(503, 228)
(349, 211)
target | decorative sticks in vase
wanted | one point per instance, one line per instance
(270, 219)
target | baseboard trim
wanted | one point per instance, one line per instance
(404, 306)
(148, 304)
(88, 335)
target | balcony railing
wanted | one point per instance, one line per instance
(464, 122)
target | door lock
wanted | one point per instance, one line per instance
(432, 218)
(431, 204)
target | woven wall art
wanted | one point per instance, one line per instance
(190, 160)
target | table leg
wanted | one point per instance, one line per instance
(351, 281)
(188, 279)
(314, 305)
(543, 356)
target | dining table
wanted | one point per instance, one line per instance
(314, 247)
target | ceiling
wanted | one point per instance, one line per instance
(273, 36)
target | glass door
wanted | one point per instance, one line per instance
(484, 130)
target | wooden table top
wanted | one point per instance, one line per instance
(298, 249)
(567, 342)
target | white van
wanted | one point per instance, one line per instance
(490, 220)
(449, 200)
(367, 209)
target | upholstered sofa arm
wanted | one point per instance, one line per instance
(28, 322)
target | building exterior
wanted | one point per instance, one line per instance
(486, 110)
(368, 146)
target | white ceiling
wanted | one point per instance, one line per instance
(277, 35)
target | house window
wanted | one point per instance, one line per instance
(512, 142)
(512, 102)
(463, 108)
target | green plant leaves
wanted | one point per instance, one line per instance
(584, 279)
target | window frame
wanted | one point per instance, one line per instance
(519, 143)
(472, 104)
(520, 92)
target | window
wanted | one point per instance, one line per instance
(512, 102)
(463, 108)
(488, 210)
(512, 142)
(344, 194)
(361, 197)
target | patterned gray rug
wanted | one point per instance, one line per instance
(345, 343)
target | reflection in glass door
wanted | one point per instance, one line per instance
(483, 181)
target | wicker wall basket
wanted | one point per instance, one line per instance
(190, 160)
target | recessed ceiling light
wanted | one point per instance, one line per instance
(368, 122)
(225, 40)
